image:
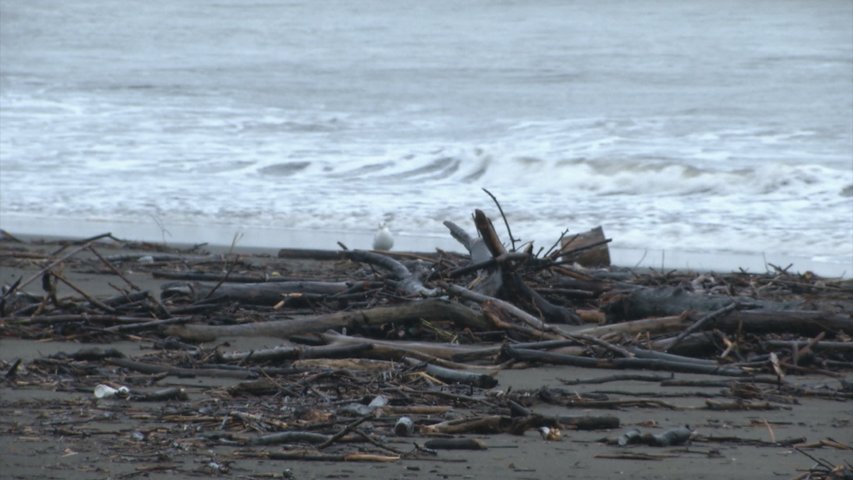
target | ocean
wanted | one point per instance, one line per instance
(713, 127)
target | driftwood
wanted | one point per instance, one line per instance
(805, 322)
(266, 293)
(504, 279)
(449, 375)
(631, 363)
(588, 249)
(429, 310)
(435, 352)
(293, 352)
(409, 282)
(661, 301)
(413, 345)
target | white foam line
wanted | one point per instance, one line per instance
(273, 238)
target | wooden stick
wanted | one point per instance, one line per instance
(701, 323)
(346, 430)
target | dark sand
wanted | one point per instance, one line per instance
(54, 430)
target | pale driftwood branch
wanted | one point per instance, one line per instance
(443, 354)
(628, 363)
(293, 352)
(432, 310)
(264, 293)
(449, 375)
(409, 282)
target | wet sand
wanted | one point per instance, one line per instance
(55, 430)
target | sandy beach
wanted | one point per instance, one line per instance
(51, 426)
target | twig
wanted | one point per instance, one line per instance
(551, 253)
(91, 300)
(345, 431)
(508, 230)
(230, 268)
(53, 264)
(701, 322)
(113, 268)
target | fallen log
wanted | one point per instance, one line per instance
(449, 375)
(455, 444)
(651, 326)
(264, 293)
(804, 322)
(443, 353)
(589, 422)
(179, 371)
(314, 455)
(432, 310)
(293, 352)
(630, 363)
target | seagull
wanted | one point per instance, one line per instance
(383, 240)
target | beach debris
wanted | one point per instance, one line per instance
(106, 391)
(668, 438)
(550, 434)
(404, 427)
(355, 353)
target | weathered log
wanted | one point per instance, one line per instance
(804, 322)
(288, 437)
(845, 348)
(311, 254)
(650, 325)
(693, 345)
(668, 357)
(589, 422)
(162, 395)
(314, 455)
(483, 425)
(178, 371)
(632, 363)
(491, 424)
(455, 444)
(265, 293)
(432, 310)
(520, 314)
(443, 353)
(476, 246)
(554, 332)
(588, 249)
(450, 375)
(643, 302)
(292, 352)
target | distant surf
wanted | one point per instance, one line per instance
(730, 138)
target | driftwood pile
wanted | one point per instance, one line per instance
(384, 356)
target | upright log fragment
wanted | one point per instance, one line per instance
(514, 287)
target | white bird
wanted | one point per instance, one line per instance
(383, 240)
